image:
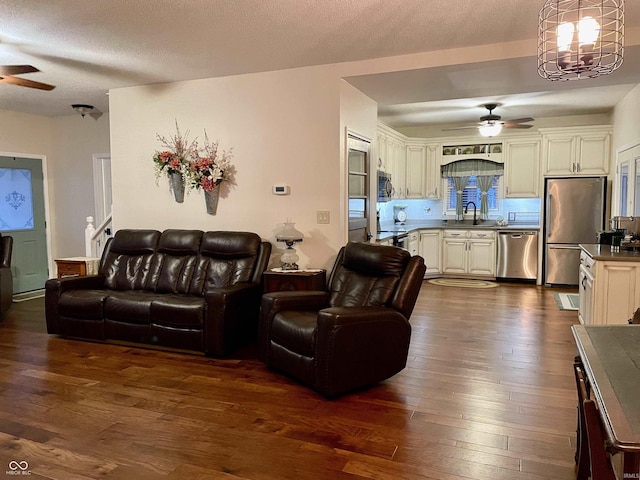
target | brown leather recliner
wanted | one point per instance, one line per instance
(353, 335)
(6, 279)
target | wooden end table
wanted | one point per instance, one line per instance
(277, 280)
(77, 266)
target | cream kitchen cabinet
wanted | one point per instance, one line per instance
(415, 173)
(397, 166)
(609, 290)
(585, 284)
(430, 247)
(433, 179)
(413, 242)
(469, 252)
(522, 168)
(576, 151)
(382, 152)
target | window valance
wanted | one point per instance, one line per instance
(472, 167)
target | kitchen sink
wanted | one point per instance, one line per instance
(469, 223)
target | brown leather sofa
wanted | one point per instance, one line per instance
(184, 289)
(6, 279)
(354, 334)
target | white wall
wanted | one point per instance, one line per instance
(626, 120)
(283, 127)
(66, 144)
(358, 113)
(75, 141)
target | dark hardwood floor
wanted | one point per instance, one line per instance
(488, 394)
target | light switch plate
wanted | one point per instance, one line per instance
(322, 217)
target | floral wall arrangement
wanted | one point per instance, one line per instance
(190, 167)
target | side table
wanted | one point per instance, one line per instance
(77, 266)
(277, 280)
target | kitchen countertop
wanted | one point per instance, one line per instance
(392, 229)
(609, 253)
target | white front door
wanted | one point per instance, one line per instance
(22, 216)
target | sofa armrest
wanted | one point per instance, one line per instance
(359, 346)
(61, 285)
(231, 317)
(54, 287)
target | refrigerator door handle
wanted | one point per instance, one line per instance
(548, 216)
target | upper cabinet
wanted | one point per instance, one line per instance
(522, 168)
(433, 181)
(576, 151)
(415, 171)
(414, 165)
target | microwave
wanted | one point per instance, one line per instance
(385, 188)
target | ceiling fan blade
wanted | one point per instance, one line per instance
(17, 69)
(516, 125)
(520, 120)
(460, 128)
(25, 83)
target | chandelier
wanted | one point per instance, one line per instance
(580, 38)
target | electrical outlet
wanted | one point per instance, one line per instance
(322, 217)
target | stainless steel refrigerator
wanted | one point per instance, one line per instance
(574, 212)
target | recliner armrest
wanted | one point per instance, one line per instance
(293, 300)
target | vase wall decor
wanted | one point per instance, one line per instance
(211, 199)
(176, 181)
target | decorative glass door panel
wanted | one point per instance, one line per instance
(16, 201)
(22, 216)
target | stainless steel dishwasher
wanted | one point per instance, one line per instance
(517, 255)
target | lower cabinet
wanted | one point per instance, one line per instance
(469, 252)
(413, 243)
(430, 247)
(609, 291)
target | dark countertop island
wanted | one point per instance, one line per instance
(609, 253)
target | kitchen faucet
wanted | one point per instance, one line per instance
(466, 209)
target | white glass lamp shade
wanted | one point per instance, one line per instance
(490, 129)
(290, 236)
(580, 38)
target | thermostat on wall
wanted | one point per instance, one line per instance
(281, 190)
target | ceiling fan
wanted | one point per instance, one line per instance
(491, 125)
(7, 73)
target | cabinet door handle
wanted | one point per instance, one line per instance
(455, 234)
(482, 235)
(584, 279)
(578, 167)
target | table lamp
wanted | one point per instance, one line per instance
(289, 235)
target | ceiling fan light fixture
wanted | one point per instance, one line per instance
(490, 129)
(82, 109)
(580, 38)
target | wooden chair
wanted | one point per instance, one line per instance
(592, 457)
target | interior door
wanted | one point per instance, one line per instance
(22, 217)
(358, 159)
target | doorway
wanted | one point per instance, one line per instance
(358, 160)
(22, 215)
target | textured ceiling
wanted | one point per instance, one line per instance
(86, 47)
